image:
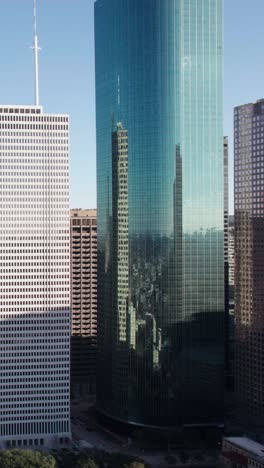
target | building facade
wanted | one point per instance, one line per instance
(241, 452)
(231, 255)
(249, 259)
(160, 174)
(83, 302)
(226, 264)
(226, 198)
(231, 303)
(35, 278)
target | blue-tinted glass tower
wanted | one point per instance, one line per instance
(160, 211)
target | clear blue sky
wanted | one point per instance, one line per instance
(67, 71)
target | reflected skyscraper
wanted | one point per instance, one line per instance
(119, 310)
(120, 230)
(160, 211)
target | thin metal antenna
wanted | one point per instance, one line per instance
(118, 90)
(36, 49)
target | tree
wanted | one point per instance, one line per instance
(26, 459)
(121, 460)
(136, 464)
(86, 463)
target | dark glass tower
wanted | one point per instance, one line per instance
(249, 261)
(160, 211)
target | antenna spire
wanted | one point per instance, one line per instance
(36, 49)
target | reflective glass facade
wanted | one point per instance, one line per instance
(160, 211)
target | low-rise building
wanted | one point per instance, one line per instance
(241, 452)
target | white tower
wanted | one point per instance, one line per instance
(35, 275)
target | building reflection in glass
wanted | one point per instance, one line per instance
(160, 211)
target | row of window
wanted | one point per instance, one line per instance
(47, 427)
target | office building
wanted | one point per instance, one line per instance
(226, 267)
(35, 277)
(83, 302)
(231, 304)
(231, 255)
(226, 204)
(249, 260)
(231, 317)
(229, 277)
(161, 309)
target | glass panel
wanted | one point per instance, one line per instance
(160, 210)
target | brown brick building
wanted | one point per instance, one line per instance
(83, 302)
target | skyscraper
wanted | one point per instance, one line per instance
(231, 316)
(249, 259)
(231, 256)
(226, 205)
(160, 211)
(35, 277)
(226, 269)
(83, 302)
(229, 272)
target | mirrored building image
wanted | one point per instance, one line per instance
(160, 211)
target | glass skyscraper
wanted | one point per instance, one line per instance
(160, 211)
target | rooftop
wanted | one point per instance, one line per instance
(81, 213)
(247, 444)
(13, 109)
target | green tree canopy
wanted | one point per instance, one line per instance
(136, 464)
(86, 463)
(26, 459)
(121, 460)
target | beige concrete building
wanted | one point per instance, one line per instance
(83, 301)
(35, 278)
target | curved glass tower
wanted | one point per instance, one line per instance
(160, 211)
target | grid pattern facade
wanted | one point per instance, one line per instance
(226, 200)
(120, 262)
(249, 258)
(231, 252)
(83, 302)
(120, 227)
(159, 74)
(226, 266)
(34, 280)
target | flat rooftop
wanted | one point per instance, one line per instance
(83, 213)
(8, 109)
(18, 109)
(247, 444)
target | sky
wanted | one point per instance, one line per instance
(66, 35)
